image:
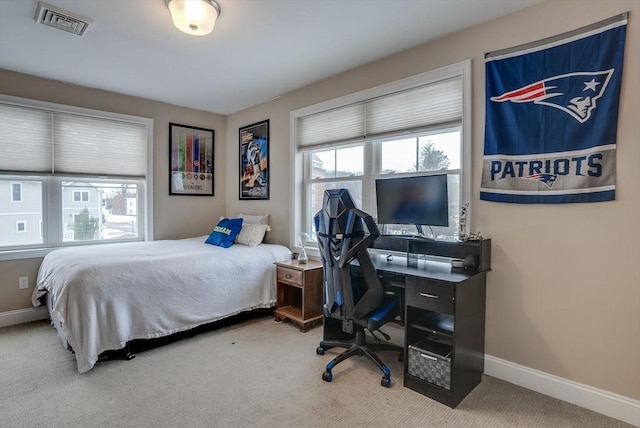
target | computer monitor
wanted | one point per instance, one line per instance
(420, 201)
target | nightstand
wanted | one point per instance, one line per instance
(299, 293)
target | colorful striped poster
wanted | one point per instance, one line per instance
(191, 169)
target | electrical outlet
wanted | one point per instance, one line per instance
(23, 282)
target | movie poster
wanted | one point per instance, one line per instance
(254, 161)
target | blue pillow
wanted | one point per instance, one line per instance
(225, 232)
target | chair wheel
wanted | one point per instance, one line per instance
(386, 382)
(327, 376)
(320, 350)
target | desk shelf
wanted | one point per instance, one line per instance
(429, 330)
(431, 322)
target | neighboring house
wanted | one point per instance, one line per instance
(131, 206)
(124, 205)
(20, 212)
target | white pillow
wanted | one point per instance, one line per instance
(252, 234)
(254, 219)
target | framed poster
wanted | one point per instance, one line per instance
(191, 160)
(254, 161)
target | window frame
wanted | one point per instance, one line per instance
(299, 205)
(51, 230)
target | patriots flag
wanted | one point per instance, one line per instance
(552, 117)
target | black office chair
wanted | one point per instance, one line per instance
(352, 291)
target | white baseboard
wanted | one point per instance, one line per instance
(600, 401)
(21, 316)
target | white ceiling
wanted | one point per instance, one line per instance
(259, 49)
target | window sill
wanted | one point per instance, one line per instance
(32, 253)
(35, 253)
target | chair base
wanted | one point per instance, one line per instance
(359, 346)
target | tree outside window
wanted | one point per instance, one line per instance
(432, 159)
(84, 226)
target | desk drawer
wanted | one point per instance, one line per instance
(290, 276)
(430, 295)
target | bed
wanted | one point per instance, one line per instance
(101, 297)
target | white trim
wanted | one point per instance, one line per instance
(600, 401)
(21, 316)
(467, 144)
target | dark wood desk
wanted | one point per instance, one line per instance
(444, 322)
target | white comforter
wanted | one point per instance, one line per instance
(106, 295)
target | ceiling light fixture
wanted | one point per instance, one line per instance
(195, 17)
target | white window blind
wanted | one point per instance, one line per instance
(25, 139)
(34, 140)
(409, 110)
(416, 108)
(87, 145)
(339, 124)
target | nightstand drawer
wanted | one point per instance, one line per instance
(290, 276)
(430, 295)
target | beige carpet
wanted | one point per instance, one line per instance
(257, 373)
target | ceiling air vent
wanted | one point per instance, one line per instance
(61, 19)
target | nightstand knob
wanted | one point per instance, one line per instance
(288, 275)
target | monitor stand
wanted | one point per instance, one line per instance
(421, 234)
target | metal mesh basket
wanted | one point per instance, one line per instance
(431, 362)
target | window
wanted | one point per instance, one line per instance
(21, 226)
(335, 169)
(48, 161)
(80, 196)
(416, 126)
(16, 192)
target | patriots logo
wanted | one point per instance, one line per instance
(574, 93)
(546, 179)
